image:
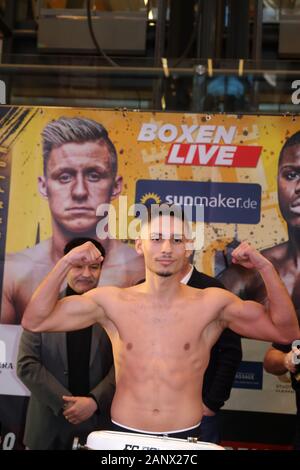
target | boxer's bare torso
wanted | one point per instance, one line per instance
(161, 350)
(162, 331)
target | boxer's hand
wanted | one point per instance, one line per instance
(249, 257)
(84, 254)
(289, 359)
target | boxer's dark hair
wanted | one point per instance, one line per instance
(292, 140)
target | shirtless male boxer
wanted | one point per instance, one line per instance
(161, 342)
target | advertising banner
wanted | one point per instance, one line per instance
(227, 164)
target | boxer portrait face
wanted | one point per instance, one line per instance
(289, 185)
(78, 178)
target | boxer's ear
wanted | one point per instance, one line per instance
(138, 246)
(117, 187)
(42, 185)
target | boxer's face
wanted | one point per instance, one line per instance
(78, 179)
(163, 244)
(289, 185)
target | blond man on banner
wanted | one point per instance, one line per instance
(80, 174)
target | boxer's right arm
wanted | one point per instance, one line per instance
(46, 313)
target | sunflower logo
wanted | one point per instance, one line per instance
(150, 198)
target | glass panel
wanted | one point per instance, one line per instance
(289, 9)
(228, 86)
(100, 5)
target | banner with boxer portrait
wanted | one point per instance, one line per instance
(226, 164)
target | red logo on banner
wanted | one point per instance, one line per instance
(214, 155)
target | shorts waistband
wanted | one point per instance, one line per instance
(153, 432)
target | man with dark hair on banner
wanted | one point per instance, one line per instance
(160, 341)
(284, 256)
(70, 375)
(80, 173)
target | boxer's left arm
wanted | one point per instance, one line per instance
(275, 322)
